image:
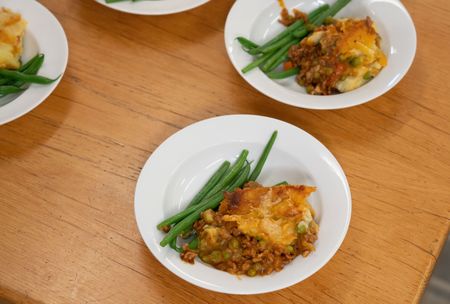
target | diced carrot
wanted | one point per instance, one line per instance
(287, 65)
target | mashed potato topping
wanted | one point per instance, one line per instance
(12, 29)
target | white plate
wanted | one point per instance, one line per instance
(44, 35)
(154, 7)
(258, 20)
(182, 164)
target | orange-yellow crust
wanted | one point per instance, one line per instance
(269, 213)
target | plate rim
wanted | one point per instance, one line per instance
(358, 101)
(223, 289)
(157, 12)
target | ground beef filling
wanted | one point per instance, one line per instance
(320, 67)
(224, 246)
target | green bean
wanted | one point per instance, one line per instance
(279, 61)
(283, 74)
(283, 183)
(173, 245)
(231, 174)
(320, 18)
(262, 159)
(31, 70)
(280, 53)
(9, 89)
(35, 66)
(269, 62)
(30, 62)
(333, 10)
(186, 222)
(280, 43)
(246, 43)
(277, 38)
(210, 203)
(301, 33)
(256, 63)
(218, 188)
(194, 243)
(177, 217)
(23, 68)
(186, 234)
(4, 81)
(294, 26)
(211, 183)
(26, 77)
(240, 180)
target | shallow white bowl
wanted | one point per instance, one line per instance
(155, 7)
(182, 164)
(258, 20)
(44, 35)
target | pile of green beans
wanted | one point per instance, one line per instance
(16, 81)
(226, 179)
(273, 53)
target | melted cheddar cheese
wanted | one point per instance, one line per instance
(271, 214)
(361, 41)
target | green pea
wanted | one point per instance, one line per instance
(234, 244)
(328, 71)
(226, 255)
(206, 259)
(257, 266)
(251, 272)
(367, 76)
(355, 61)
(301, 228)
(290, 249)
(216, 257)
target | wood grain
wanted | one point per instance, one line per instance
(69, 167)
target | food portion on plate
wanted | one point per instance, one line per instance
(15, 77)
(327, 55)
(338, 57)
(256, 230)
(152, 7)
(239, 226)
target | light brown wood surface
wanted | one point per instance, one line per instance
(69, 168)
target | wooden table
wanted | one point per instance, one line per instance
(69, 168)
